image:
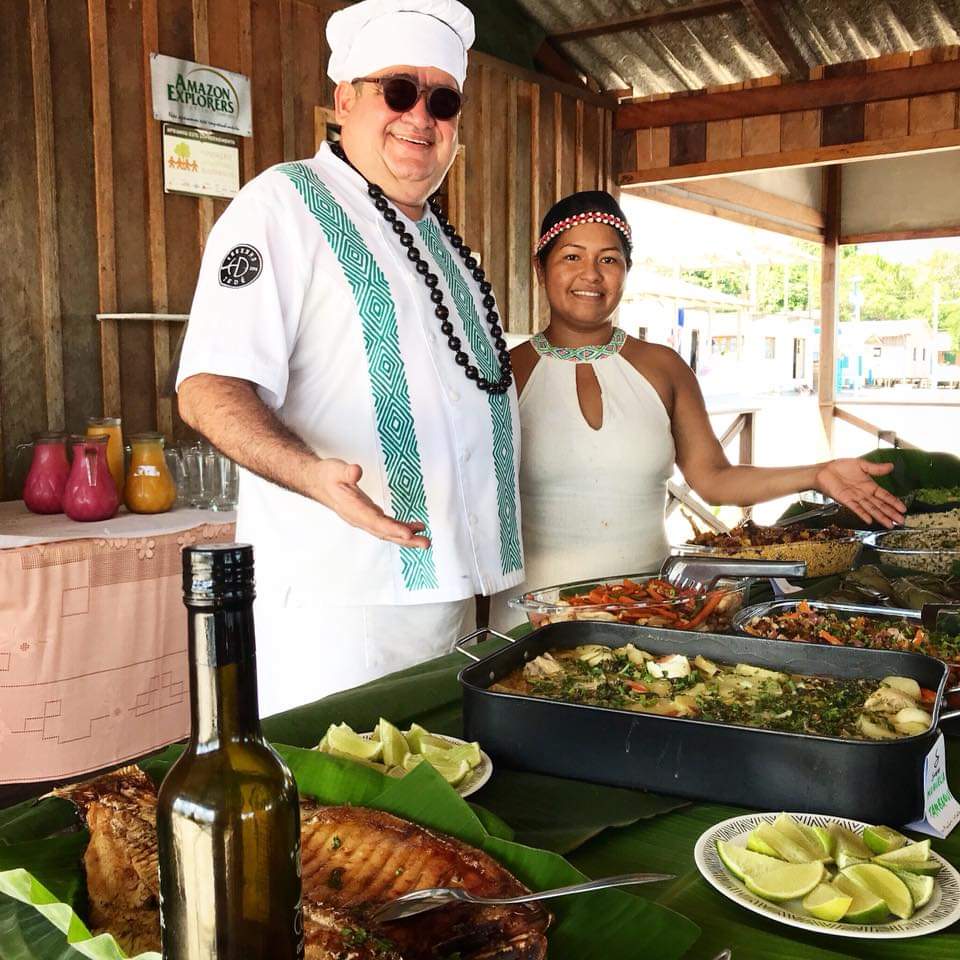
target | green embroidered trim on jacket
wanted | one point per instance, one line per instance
(391, 395)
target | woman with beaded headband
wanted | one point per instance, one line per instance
(605, 418)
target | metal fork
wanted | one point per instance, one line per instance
(419, 901)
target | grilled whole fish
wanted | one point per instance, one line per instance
(353, 860)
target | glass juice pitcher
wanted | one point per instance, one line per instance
(150, 487)
(110, 428)
(90, 493)
(47, 477)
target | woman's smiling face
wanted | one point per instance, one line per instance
(584, 275)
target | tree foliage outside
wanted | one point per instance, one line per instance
(928, 289)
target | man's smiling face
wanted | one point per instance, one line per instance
(408, 154)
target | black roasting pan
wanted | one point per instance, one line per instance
(876, 781)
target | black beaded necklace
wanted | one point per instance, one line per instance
(441, 312)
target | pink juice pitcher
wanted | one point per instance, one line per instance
(91, 493)
(47, 478)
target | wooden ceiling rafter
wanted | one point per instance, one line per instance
(652, 18)
(804, 95)
(768, 16)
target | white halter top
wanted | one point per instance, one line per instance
(592, 501)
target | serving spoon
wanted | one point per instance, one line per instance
(419, 901)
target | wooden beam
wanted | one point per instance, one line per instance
(814, 156)
(826, 385)
(201, 50)
(51, 322)
(758, 201)
(578, 148)
(156, 225)
(245, 41)
(662, 13)
(106, 226)
(784, 98)
(920, 233)
(554, 64)
(768, 16)
(557, 147)
(682, 198)
(533, 324)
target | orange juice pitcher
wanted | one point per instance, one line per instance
(149, 487)
(109, 427)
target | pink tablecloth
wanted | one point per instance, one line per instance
(93, 640)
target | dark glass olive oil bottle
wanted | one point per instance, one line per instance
(228, 820)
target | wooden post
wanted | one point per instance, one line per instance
(826, 386)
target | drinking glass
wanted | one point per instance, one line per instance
(197, 465)
(227, 486)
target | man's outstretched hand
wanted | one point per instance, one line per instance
(335, 485)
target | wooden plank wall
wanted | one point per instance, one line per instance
(831, 134)
(87, 228)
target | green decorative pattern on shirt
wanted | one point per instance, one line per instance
(485, 358)
(391, 395)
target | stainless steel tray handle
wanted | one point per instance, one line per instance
(463, 641)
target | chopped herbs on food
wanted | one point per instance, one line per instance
(626, 678)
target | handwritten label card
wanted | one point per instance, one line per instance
(941, 810)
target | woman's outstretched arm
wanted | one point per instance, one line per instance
(706, 468)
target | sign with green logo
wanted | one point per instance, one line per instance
(200, 95)
(200, 163)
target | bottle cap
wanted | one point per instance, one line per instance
(218, 573)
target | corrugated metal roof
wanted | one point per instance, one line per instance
(730, 47)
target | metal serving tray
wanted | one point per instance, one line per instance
(876, 781)
(746, 614)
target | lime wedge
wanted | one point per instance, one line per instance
(866, 908)
(342, 739)
(825, 839)
(848, 848)
(394, 743)
(415, 736)
(826, 902)
(372, 764)
(412, 760)
(883, 839)
(928, 868)
(453, 753)
(453, 772)
(911, 853)
(755, 844)
(785, 881)
(884, 884)
(921, 888)
(801, 835)
(786, 848)
(740, 861)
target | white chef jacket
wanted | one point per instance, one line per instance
(306, 291)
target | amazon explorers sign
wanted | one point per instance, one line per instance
(200, 96)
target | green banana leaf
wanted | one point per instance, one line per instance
(596, 926)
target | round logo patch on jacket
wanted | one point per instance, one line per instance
(242, 265)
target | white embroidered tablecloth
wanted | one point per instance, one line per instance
(93, 638)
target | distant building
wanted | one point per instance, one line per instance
(730, 349)
(886, 352)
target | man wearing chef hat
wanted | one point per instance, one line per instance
(345, 349)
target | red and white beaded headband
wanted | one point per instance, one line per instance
(591, 216)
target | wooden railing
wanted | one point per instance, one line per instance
(680, 493)
(879, 433)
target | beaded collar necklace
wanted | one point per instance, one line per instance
(440, 310)
(580, 354)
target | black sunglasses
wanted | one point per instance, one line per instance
(401, 93)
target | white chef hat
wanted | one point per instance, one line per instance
(374, 34)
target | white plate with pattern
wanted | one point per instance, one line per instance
(475, 779)
(942, 910)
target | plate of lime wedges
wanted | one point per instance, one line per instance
(831, 875)
(396, 752)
